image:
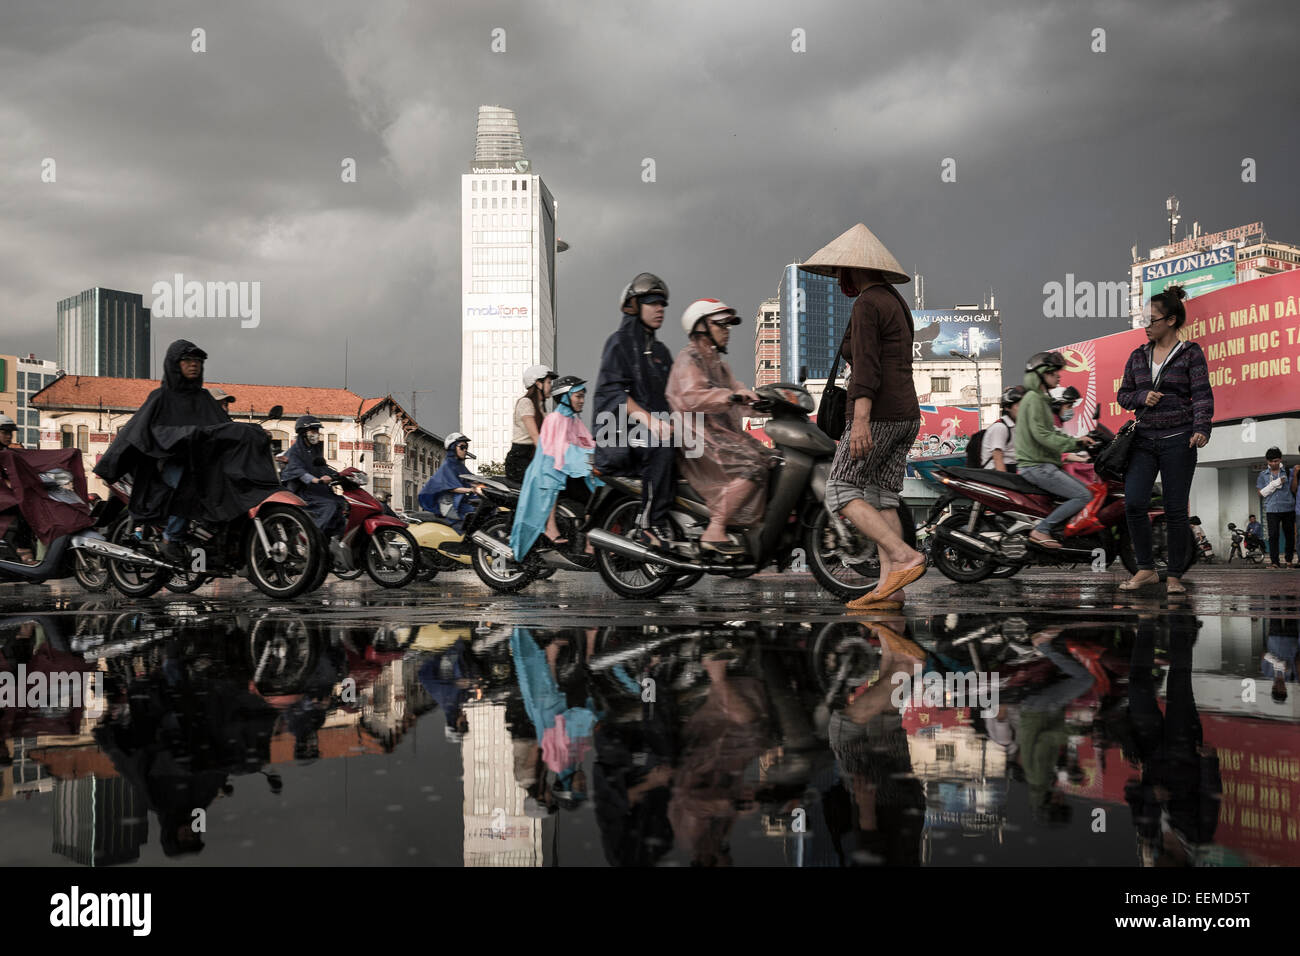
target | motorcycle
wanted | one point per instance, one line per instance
(276, 544)
(841, 560)
(442, 547)
(373, 540)
(493, 558)
(47, 490)
(1246, 546)
(991, 513)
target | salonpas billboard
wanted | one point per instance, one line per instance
(1198, 273)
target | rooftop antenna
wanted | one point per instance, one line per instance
(919, 290)
(345, 364)
(1171, 207)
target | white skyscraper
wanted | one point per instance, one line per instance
(508, 250)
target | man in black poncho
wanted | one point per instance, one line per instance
(187, 459)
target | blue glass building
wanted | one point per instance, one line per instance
(810, 334)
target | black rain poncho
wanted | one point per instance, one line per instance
(228, 467)
(304, 465)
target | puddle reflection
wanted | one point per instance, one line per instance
(1129, 739)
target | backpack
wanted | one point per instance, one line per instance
(974, 458)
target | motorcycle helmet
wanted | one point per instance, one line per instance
(307, 422)
(454, 439)
(534, 372)
(1049, 361)
(700, 309)
(1063, 401)
(1012, 396)
(647, 283)
(7, 424)
(566, 385)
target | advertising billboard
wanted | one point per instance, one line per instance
(1251, 337)
(938, 331)
(1198, 273)
(495, 310)
(945, 430)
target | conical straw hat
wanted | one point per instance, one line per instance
(858, 248)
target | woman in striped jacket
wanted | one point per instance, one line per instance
(1173, 422)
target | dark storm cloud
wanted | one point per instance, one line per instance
(225, 165)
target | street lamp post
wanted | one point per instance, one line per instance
(979, 395)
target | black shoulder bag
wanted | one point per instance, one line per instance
(1112, 463)
(833, 405)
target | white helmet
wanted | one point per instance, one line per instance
(7, 423)
(456, 438)
(703, 308)
(534, 372)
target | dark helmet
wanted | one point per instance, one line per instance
(647, 283)
(7, 424)
(1053, 361)
(1012, 395)
(307, 422)
(565, 385)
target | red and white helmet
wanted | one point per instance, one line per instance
(702, 309)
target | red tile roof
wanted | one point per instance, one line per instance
(91, 392)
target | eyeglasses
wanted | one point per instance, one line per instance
(462, 445)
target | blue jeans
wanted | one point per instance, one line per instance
(1176, 463)
(1056, 482)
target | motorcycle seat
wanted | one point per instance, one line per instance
(684, 490)
(998, 479)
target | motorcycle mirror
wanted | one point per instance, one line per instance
(276, 412)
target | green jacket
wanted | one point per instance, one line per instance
(1038, 440)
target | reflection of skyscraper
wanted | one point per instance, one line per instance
(98, 822)
(508, 252)
(497, 831)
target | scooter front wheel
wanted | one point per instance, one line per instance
(848, 568)
(392, 557)
(291, 566)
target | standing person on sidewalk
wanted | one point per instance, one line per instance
(1276, 486)
(1167, 383)
(882, 417)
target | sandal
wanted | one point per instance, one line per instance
(1130, 585)
(1175, 587)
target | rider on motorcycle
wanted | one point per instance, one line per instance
(307, 475)
(18, 534)
(447, 493)
(562, 463)
(634, 372)
(998, 448)
(186, 457)
(1039, 446)
(729, 468)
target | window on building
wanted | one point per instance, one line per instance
(938, 384)
(381, 486)
(381, 448)
(279, 440)
(69, 437)
(332, 447)
(83, 438)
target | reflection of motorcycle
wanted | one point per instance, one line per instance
(795, 517)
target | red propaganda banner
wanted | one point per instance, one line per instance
(1251, 336)
(945, 429)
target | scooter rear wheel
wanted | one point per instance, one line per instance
(503, 575)
(955, 564)
(628, 577)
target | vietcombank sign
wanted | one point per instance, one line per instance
(1198, 273)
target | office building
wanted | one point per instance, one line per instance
(767, 343)
(104, 332)
(508, 249)
(813, 319)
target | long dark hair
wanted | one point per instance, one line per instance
(535, 395)
(1171, 300)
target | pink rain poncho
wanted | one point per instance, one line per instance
(699, 388)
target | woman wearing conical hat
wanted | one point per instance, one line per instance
(882, 417)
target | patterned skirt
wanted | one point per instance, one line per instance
(885, 464)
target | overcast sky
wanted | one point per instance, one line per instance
(225, 165)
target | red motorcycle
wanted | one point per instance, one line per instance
(989, 515)
(374, 540)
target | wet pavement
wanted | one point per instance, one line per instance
(1044, 720)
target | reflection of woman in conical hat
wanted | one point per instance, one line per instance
(857, 258)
